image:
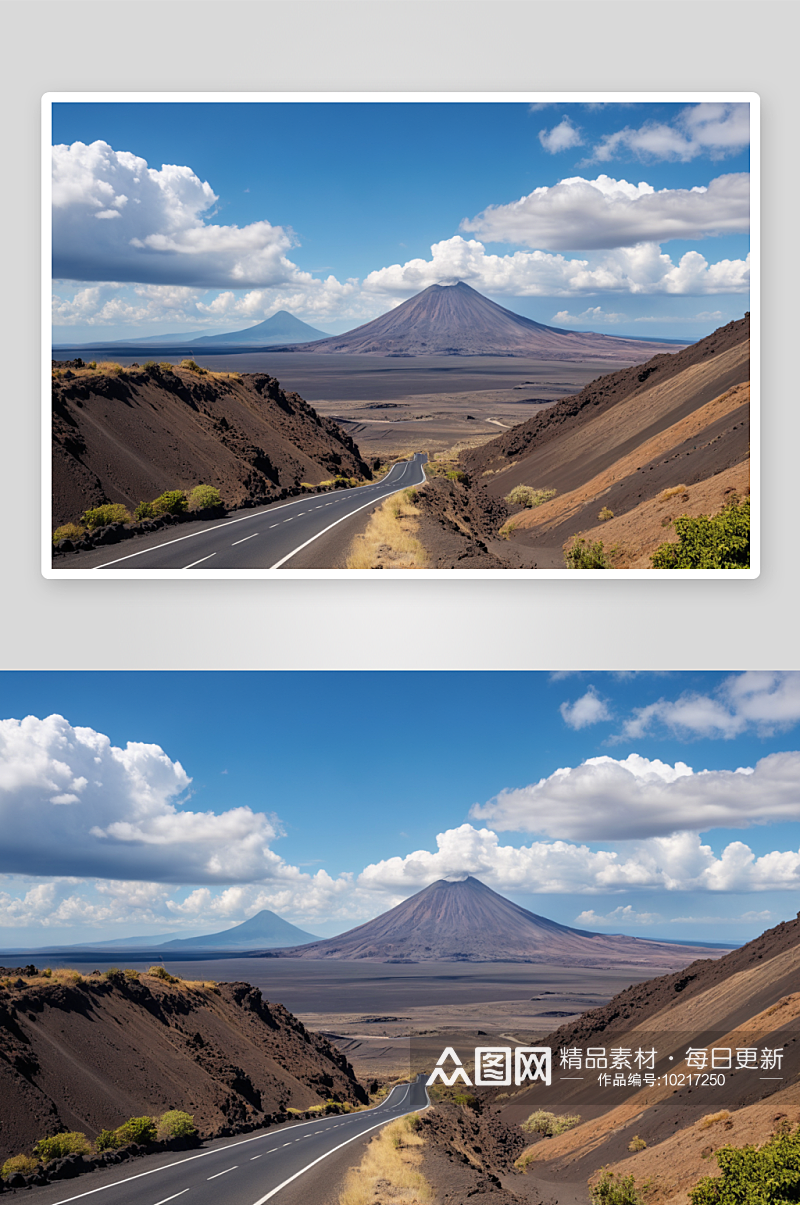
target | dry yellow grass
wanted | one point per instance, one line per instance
(390, 1168)
(389, 541)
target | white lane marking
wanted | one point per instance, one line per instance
(177, 1194)
(289, 519)
(274, 1191)
(203, 1155)
(227, 1169)
(252, 1157)
(202, 558)
(287, 1144)
(349, 514)
(235, 542)
(272, 525)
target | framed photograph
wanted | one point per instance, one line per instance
(331, 335)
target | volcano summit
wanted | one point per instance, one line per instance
(456, 320)
(468, 922)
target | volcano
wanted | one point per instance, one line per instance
(468, 922)
(264, 929)
(456, 320)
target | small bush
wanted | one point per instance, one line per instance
(25, 1165)
(69, 1143)
(605, 513)
(204, 497)
(68, 531)
(582, 555)
(165, 366)
(106, 1140)
(171, 502)
(176, 1124)
(611, 1190)
(637, 1144)
(131, 974)
(144, 510)
(711, 1118)
(719, 542)
(140, 1130)
(467, 1101)
(47, 972)
(526, 495)
(665, 495)
(456, 475)
(767, 1175)
(550, 1124)
(193, 367)
(160, 972)
(109, 512)
(92, 364)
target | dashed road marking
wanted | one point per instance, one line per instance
(235, 542)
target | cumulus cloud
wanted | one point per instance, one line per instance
(580, 214)
(640, 269)
(624, 915)
(710, 128)
(588, 709)
(677, 862)
(609, 799)
(117, 219)
(594, 314)
(764, 701)
(71, 803)
(562, 137)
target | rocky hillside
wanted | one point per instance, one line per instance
(127, 436)
(642, 445)
(86, 1053)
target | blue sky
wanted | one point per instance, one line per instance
(339, 211)
(659, 805)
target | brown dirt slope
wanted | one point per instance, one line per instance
(87, 1055)
(602, 395)
(456, 320)
(748, 998)
(127, 437)
(467, 921)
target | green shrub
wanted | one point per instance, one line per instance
(131, 974)
(611, 1190)
(68, 531)
(162, 973)
(176, 1124)
(582, 555)
(637, 1144)
(719, 542)
(165, 366)
(456, 475)
(144, 510)
(172, 502)
(93, 364)
(24, 1164)
(469, 1102)
(69, 1143)
(106, 1140)
(109, 512)
(526, 495)
(140, 1130)
(768, 1175)
(204, 497)
(550, 1124)
(192, 367)
(605, 513)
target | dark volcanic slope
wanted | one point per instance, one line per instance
(456, 320)
(467, 921)
(609, 391)
(127, 437)
(88, 1055)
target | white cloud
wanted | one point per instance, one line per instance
(624, 915)
(594, 314)
(765, 701)
(580, 214)
(124, 818)
(159, 234)
(711, 129)
(562, 137)
(677, 862)
(640, 269)
(608, 799)
(588, 709)
(747, 918)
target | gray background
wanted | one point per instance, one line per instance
(364, 45)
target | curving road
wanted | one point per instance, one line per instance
(244, 1171)
(268, 538)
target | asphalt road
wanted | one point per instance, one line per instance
(268, 538)
(243, 1171)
